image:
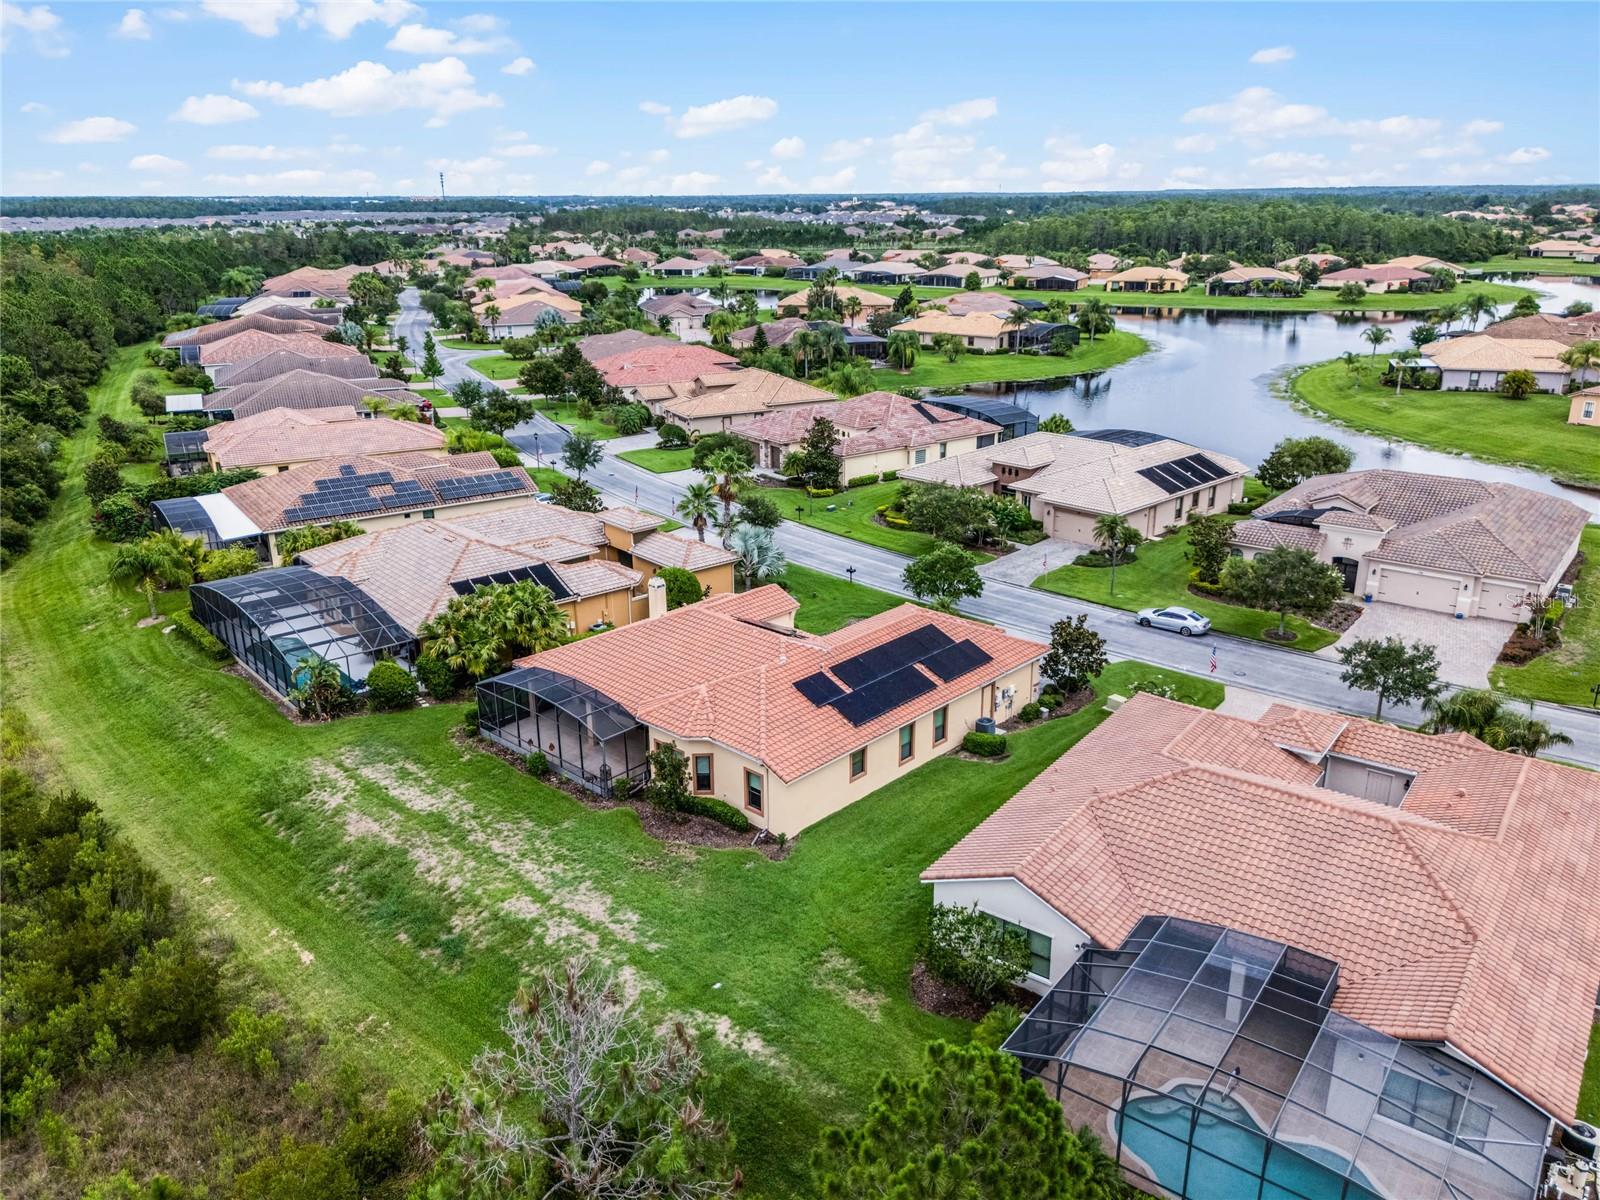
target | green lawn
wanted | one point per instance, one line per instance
(932, 371)
(458, 343)
(496, 366)
(1160, 576)
(1538, 266)
(1566, 674)
(1589, 1092)
(394, 886)
(828, 602)
(658, 460)
(852, 517)
(548, 478)
(567, 414)
(1531, 432)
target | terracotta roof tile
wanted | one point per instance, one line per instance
(280, 435)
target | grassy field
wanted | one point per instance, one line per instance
(1531, 433)
(1537, 266)
(1565, 675)
(660, 461)
(567, 414)
(496, 366)
(852, 516)
(933, 371)
(828, 602)
(394, 886)
(1160, 576)
(458, 343)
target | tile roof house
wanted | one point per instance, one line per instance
(871, 302)
(884, 272)
(1564, 248)
(1051, 278)
(777, 332)
(1425, 262)
(685, 314)
(1452, 884)
(1437, 542)
(784, 725)
(1323, 262)
(1147, 279)
(878, 431)
(303, 388)
(679, 265)
(639, 257)
(1068, 480)
(604, 345)
(713, 401)
(1376, 279)
(977, 331)
(1478, 362)
(279, 438)
(1252, 281)
(665, 362)
(280, 362)
(1102, 265)
(1585, 408)
(253, 343)
(375, 493)
(1569, 331)
(217, 330)
(957, 275)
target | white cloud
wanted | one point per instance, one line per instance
(631, 174)
(1482, 127)
(134, 26)
(260, 17)
(1188, 176)
(1526, 154)
(1195, 143)
(693, 181)
(657, 156)
(723, 116)
(89, 168)
(598, 167)
(212, 109)
(525, 150)
(1291, 160)
(425, 39)
(89, 130)
(1397, 129)
(340, 18)
(444, 88)
(1259, 112)
(654, 107)
(1072, 164)
(241, 152)
(521, 65)
(155, 162)
(299, 179)
(838, 181)
(846, 148)
(774, 177)
(1273, 54)
(964, 112)
(33, 106)
(38, 176)
(39, 24)
(789, 147)
(483, 164)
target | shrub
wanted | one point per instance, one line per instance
(1030, 711)
(1243, 508)
(537, 764)
(390, 687)
(1099, 558)
(819, 493)
(119, 519)
(996, 1026)
(710, 444)
(895, 521)
(252, 1041)
(1050, 698)
(718, 810)
(297, 1171)
(672, 437)
(985, 745)
(862, 481)
(228, 562)
(439, 679)
(1201, 585)
(621, 789)
(890, 476)
(682, 587)
(505, 456)
(631, 418)
(970, 947)
(201, 638)
(101, 478)
(469, 721)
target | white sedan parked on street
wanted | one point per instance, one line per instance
(1180, 620)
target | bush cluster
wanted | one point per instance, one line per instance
(862, 481)
(967, 946)
(200, 637)
(985, 745)
(390, 687)
(819, 493)
(1030, 711)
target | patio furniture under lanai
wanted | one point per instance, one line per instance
(586, 735)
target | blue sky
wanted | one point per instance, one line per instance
(237, 97)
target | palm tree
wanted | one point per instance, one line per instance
(150, 564)
(1484, 714)
(491, 314)
(721, 324)
(1018, 319)
(1582, 358)
(528, 614)
(1351, 361)
(1113, 534)
(1375, 336)
(902, 349)
(804, 345)
(728, 474)
(851, 307)
(698, 506)
(758, 557)
(831, 344)
(1478, 305)
(1094, 317)
(1446, 315)
(1517, 733)
(464, 636)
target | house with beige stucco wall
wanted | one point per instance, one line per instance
(877, 432)
(785, 726)
(1585, 409)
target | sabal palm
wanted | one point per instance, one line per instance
(831, 344)
(1478, 305)
(729, 476)
(1581, 357)
(1018, 317)
(528, 615)
(804, 345)
(1113, 534)
(151, 563)
(759, 558)
(491, 314)
(1094, 317)
(698, 506)
(851, 307)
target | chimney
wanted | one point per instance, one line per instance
(656, 591)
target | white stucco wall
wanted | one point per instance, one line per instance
(1011, 901)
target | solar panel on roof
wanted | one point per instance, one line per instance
(1122, 437)
(540, 573)
(1182, 474)
(956, 660)
(880, 660)
(883, 694)
(818, 688)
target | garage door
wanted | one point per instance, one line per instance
(1417, 591)
(1502, 603)
(1073, 526)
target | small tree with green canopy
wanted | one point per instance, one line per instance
(817, 461)
(756, 509)
(1526, 306)
(1055, 423)
(1209, 546)
(1294, 460)
(971, 283)
(944, 575)
(1077, 654)
(1518, 385)
(309, 537)
(581, 453)
(1350, 293)
(901, 349)
(431, 366)
(497, 410)
(1284, 580)
(712, 443)
(948, 513)
(682, 587)
(967, 1126)
(542, 376)
(1094, 318)
(1395, 671)
(969, 947)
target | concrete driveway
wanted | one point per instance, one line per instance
(1026, 563)
(1467, 649)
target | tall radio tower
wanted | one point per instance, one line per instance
(441, 185)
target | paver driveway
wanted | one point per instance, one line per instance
(1467, 649)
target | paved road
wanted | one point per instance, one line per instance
(1018, 608)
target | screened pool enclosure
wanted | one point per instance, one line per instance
(274, 620)
(1211, 1064)
(586, 735)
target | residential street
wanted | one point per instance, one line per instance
(1018, 608)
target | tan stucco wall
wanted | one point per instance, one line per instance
(1576, 415)
(793, 805)
(1151, 521)
(719, 579)
(615, 608)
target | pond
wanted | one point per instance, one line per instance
(1209, 380)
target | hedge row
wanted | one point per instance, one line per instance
(200, 637)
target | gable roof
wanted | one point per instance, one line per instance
(1465, 915)
(713, 670)
(253, 343)
(868, 423)
(666, 362)
(734, 393)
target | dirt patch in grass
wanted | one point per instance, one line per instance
(840, 975)
(1340, 617)
(945, 999)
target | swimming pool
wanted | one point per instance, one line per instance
(1156, 1129)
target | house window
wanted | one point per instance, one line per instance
(858, 763)
(944, 449)
(1211, 497)
(624, 558)
(908, 741)
(920, 457)
(1472, 380)
(428, 513)
(752, 791)
(1038, 947)
(941, 724)
(1177, 510)
(1429, 1108)
(702, 773)
(1588, 409)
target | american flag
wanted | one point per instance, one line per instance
(1213, 660)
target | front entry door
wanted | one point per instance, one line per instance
(1347, 568)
